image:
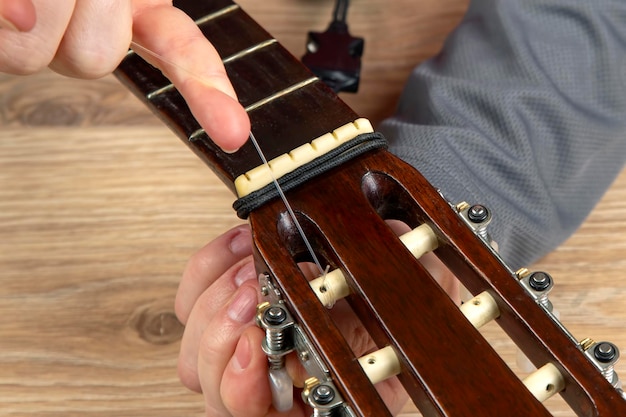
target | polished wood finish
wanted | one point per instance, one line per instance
(100, 207)
(398, 302)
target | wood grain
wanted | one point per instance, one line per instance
(101, 206)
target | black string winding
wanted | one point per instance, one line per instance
(344, 152)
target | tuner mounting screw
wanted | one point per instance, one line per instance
(604, 352)
(477, 213)
(540, 281)
(275, 315)
(323, 394)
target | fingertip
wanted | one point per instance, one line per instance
(182, 308)
(240, 240)
(17, 15)
(208, 264)
(224, 120)
(195, 67)
(187, 374)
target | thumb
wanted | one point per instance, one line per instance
(246, 377)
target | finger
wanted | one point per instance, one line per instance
(208, 264)
(202, 318)
(97, 38)
(194, 66)
(17, 15)
(28, 52)
(218, 344)
(246, 377)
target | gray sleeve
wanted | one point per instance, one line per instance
(524, 110)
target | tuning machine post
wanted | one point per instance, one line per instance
(478, 217)
(538, 285)
(323, 398)
(283, 336)
(604, 355)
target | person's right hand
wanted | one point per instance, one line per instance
(89, 38)
(221, 352)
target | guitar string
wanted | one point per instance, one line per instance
(287, 205)
(307, 243)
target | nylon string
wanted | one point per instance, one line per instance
(135, 46)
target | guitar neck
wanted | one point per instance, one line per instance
(268, 80)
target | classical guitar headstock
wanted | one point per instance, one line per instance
(422, 337)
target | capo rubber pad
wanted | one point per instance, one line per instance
(259, 177)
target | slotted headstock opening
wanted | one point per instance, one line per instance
(445, 365)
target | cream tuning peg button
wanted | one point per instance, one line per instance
(281, 386)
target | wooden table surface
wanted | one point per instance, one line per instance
(101, 206)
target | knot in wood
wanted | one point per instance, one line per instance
(157, 325)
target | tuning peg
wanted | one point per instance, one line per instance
(281, 386)
(323, 398)
(478, 217)
(538, 285)
(604, 355)
(279, 341)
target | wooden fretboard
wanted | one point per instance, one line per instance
(287, 105)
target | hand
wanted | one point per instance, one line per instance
(220, 352)
(89, 38)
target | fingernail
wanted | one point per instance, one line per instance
(243, 307)
(243, 354)
(230, 151)
(7, 24)
(245, 273)
(241, 243)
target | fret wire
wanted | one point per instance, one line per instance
(234, 57)
(205, 19)
(249, 50)
(159, 91)
(281, 93)
(195, 135)
(215, 15)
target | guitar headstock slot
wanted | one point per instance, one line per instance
(342, 234)
(446, 358)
